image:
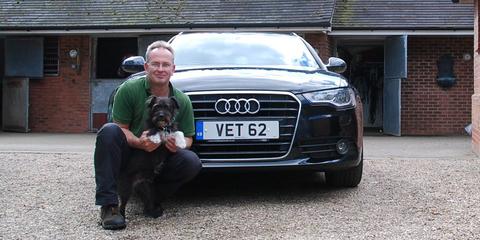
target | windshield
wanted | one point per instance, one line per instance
(261, 50)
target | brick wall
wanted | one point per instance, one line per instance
(322, 43)
(476, 96)
(427, 109)
(62, 103)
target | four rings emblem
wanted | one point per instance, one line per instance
(241, 106)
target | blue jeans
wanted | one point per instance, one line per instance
(110, 158)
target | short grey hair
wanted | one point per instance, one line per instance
(158, 44)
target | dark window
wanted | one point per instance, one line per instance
(50, 56)
(24, 57)
(110, 54)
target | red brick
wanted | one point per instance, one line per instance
(61, 103)
(427, 109)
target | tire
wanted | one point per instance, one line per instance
(345, 178)
(110, 105)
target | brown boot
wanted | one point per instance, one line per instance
(111, 218)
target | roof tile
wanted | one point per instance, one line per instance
(402, 14)
(64, 14)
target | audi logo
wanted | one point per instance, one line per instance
(234, 106)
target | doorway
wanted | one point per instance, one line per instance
(109, 54)
(366, 73)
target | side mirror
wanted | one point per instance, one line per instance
(133, 64)
(336, 65)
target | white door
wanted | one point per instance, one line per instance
(15, 104)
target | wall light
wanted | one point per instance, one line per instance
(74, 59)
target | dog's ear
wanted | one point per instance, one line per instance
(151, 100)
(176, 106)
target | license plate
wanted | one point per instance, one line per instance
(227, 130)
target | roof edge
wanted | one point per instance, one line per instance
(418, 32)
(100, 31)
(159, 26)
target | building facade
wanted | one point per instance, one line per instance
(394, 63)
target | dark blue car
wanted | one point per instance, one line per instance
(266, 101)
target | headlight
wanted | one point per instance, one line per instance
(340, 97)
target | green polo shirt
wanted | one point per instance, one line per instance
(130, 107)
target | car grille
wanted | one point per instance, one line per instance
(282, 107)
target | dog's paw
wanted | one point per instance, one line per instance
(155, 138)
(154, 213)
(180, 139)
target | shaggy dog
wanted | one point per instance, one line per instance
(142, 167)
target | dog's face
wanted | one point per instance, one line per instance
(162, 111)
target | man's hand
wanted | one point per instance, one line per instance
(170, 144)
(147, 144)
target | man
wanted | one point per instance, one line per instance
(115, 140)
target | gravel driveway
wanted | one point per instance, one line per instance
(413, 188)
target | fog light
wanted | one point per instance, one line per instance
(342, 147)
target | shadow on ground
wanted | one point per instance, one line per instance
(256, 186)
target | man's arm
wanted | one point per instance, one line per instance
(188, 141)
(142, 142)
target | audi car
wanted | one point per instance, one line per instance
(267, 101)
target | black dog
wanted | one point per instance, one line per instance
(142, 167)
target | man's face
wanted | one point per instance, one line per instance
(160, 66)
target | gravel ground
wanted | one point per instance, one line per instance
(413, 188)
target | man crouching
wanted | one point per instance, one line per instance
(115, 141)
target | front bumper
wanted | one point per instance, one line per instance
(287, 164)
(314, 146)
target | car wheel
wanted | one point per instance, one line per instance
(345, 178)
(110, 105)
